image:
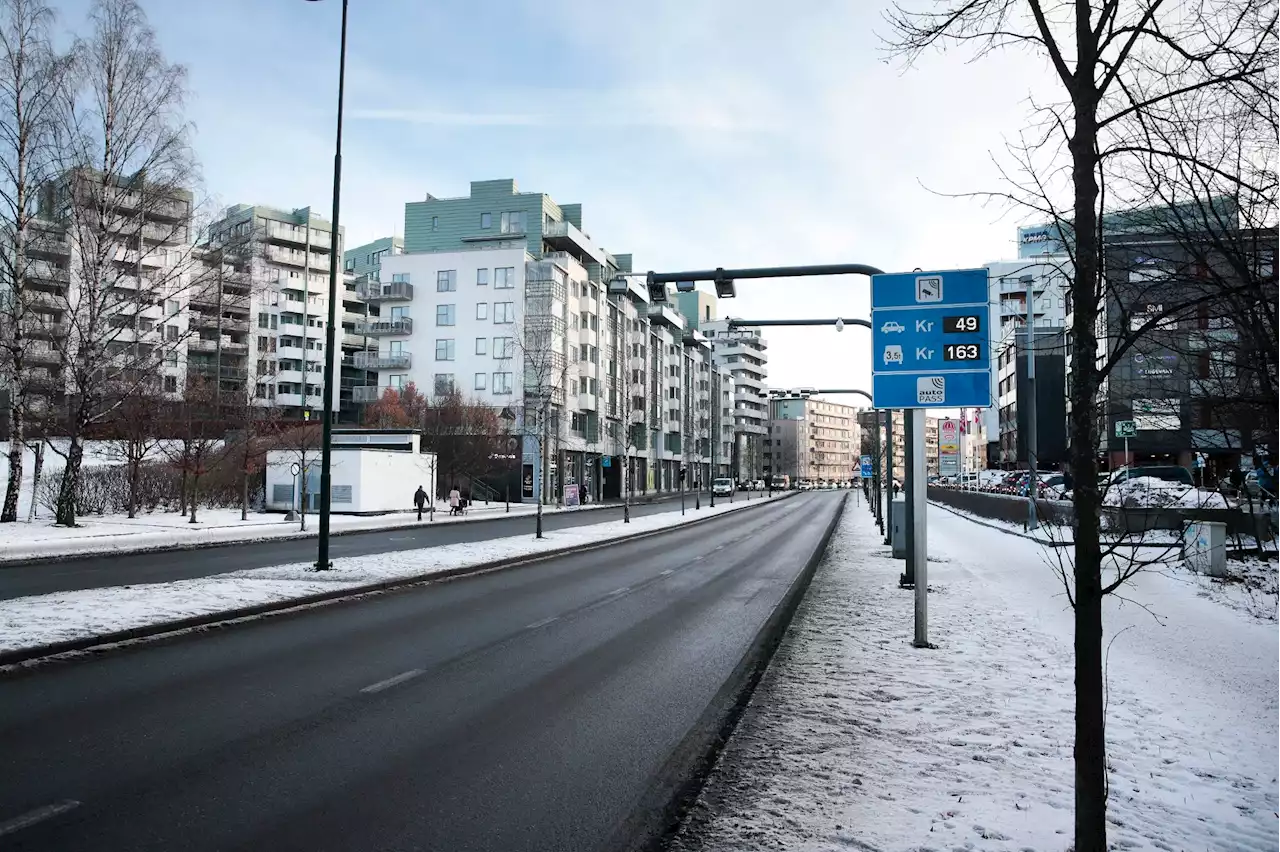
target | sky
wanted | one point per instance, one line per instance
(695, 133)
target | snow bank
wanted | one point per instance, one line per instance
(857, 740)
(42, 619)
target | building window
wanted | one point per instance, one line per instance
(504, 313)
(480, 380)
(264, 320)
(170, 359)
(482, 310)
(482, 346)
(446, 314)
(170, 384)
(435, 223)
(349, 265)
(511, 223)
(444, 350)
(504, 278)
(502, 383)
(446, 280)
(444, 383)
(486, 222)
(482, 277)
(504, 347)
(400, 277)
(398, 382)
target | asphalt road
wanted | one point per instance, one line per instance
(529, 709)
(93, 572)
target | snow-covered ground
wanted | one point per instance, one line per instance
(119, 534)
(856, 740)
(96, 454)
(41, 619)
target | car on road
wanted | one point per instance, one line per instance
(722, 486)
(892, 328)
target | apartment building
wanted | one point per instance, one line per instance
(871, 424)
(280, 260)
(743, 351)
(812, 439)
(122, 302)
(502, 297)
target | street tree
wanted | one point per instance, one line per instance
(198, 430)
(124, 200)
(1118, 63)
(33, 96)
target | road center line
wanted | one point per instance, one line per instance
(543, 623)
(670, 571)
(30, 818)
(392, 681)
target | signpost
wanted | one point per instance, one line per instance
(867, 469)
(1126, 429)
(930, 348)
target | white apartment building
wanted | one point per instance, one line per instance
(528, 334)
(743, 352)
(130, 312)
(274, 306)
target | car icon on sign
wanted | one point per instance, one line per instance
(892, 327)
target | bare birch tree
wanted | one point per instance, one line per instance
(124, 197)
(1117, 62)
(33, 78)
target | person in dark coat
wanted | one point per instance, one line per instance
(419, 500)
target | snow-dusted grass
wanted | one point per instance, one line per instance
(96, 454)
(856, 740)
(42, 619)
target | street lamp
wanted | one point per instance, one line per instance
(326, 452)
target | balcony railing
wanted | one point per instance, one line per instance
(385, 291)
(375, 328)
(366, 393)
(377, 361)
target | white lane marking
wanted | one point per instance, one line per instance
(617, 592)
(670, 571)
(392, 681)
(30, 818)
(543, 623)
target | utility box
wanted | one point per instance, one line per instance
(1204, 547)
(898, 527)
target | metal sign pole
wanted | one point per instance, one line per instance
(888, 483)
(912, 486)
(918, 538)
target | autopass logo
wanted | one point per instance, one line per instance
(931, 390)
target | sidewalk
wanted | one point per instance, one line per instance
(855, 740)
(40, 539)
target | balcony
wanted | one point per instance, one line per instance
(294, 257)
(666, 315)
(385, 291)
(298, 234)
(43, 270)
(44, 357)
(696, 339)
(377, 361)
(294, 400)
(588, 402)
(565, 236)
(202, 344)
(366, 393)
(377, 328)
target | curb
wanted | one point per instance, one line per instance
(35, 652)
(680, 781)
(22, 562)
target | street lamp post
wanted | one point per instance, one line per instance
(326, 452)
(1033, 484)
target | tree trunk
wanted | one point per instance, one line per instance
(66, 507)
(182, 490)
(1090, 733)
(244, 489)
(36, 470)
(17, 447)
(135, 468)
(195, 495)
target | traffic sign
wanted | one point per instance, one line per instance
(949, 447)
(929, 340)
(1126, 428)
(868, 470)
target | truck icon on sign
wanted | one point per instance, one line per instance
(893, 354)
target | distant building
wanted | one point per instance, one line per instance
(812, 439)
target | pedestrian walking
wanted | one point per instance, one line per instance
(419, 500)
(455, 501)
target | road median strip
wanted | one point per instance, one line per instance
(61, 609)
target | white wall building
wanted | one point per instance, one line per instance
(743, 352)
(371, 472)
